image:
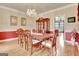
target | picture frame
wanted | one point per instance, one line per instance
(23, 21)
(13, 20)
(71, 20)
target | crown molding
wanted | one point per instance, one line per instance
(11, 9)
(57, 9)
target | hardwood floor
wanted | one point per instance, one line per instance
(13, 49)
(70, 50)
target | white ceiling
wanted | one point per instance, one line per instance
(40, 7)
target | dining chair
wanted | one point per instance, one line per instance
(27, 37)
(28, 41)
(51, 42)
(53, 45)
(54, 41)
(20, 36)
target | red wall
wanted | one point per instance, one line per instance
(6, 35)
(68, 36)
(12, 34)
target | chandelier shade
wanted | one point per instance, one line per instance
(31, 13)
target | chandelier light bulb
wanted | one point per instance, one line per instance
(31, 12)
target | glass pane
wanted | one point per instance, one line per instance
(61, 23)
(57, 26)
(62, 18)
(61, 27)
(57, 18)
(56, 23)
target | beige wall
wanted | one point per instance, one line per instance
(5, 20)
(31, 23)
(67, 11)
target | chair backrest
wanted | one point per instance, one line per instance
(56, 32)
(19, 31)
(34, 31)
(54, 38)
(27, 34)
(20, 36)
(53, 41)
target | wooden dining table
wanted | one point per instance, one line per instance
(39, 37)
(42, 37)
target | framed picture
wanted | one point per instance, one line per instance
(23, 21)
(71, 20)
(13, 20)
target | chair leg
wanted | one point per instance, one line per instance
(55, 51)
(21, 43)
(30, 51)
(26, 46)
(18, 41)
(51, 51)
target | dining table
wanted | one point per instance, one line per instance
(41, 37)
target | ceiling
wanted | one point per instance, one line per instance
(40, 7)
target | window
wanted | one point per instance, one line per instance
(59, 23)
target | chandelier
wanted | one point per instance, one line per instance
(31, 13)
